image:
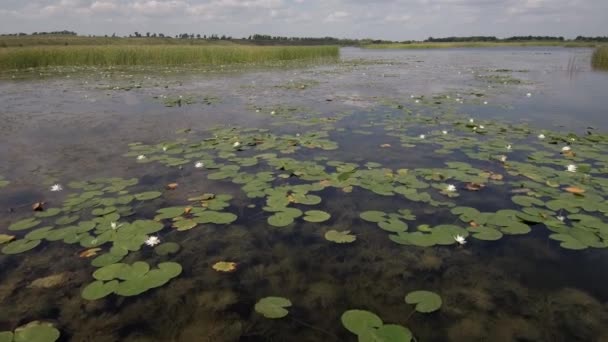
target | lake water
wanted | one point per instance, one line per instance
(371, 145)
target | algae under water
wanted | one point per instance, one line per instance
(438, 195)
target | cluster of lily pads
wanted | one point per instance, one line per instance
(365, 324)
(32, 332)
(555, 164)
(98, 219)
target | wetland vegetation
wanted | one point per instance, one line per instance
(599, 60)
(391, 195)
(157, 55)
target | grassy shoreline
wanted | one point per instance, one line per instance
(158, 55)
(447, 45)
(599, 59)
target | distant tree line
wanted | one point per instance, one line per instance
(592, 39)
(54, 33)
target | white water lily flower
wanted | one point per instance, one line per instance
(444, 132)
(460, 239)
(503, 158)
(56, 187)
(509, 147)
(529, 94)
(164, 148)
(422, 136)
(236, 144)
(152, 241)
(471, 120)
(566, 148)
(417, 101)
(450, 188)
(272, 113)
(485, 102)
(141, 157)
(561, 218)
(541, 136)
(482, 126)
(198, 165)
(475, 128)
(571, 168)
(115, 225)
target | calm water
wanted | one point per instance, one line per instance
(76, 126)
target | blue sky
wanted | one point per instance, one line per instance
(385, 19)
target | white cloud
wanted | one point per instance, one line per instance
(336, 16)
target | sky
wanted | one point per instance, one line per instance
(380, 19)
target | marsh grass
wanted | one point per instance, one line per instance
(599, 60)
(160, 55)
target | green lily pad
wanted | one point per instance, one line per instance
(6, 336)
(4, 238)
(360, 321)
(273, 307)
(146, 196)
(103, 211)
(50, 212)
(36, 333)
(20, 246)
(38, 234)
(486, 233)
(183, 225)
(426, 301)
(216, 217)
(568, 241)
(65, 220)
(516, 228)
(393, 225)
(526, 201)
(167, 248)
(340, 236)
(316, 216)
(280, 219)
(99, 289)
(391, 333)
(24, 224)
(169, 213)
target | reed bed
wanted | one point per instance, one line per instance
(161, 55)
(599, 60)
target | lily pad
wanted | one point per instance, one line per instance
(316, 216)
(216, 217)
(20, 246)
(360, 321)
(99, 289)
(183, 225)
(167, 248)
(426, 301)
(280, 219)
(36, 333)
(340, 236)
(392, 333)
(146, 196)
(4, 238)
(273, 307)
(24, 224)
(224, 266)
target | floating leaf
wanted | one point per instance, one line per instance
(426, 301)
(172, 186)
(486, 233)
(373, 216)
(360, 321)
(340, 236)
(316, 216)
(38, 206)
(391, 333)
(146, 196)
(88, 253)
(575, 190)
(210, 216)
(273, 307)
(183, 225)
(24, 224)
(48, 213)
(20, 246)
(224, 266)
(280, 219)
(4, 238)
(98, 289)
(167, 248)
(36, 332)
